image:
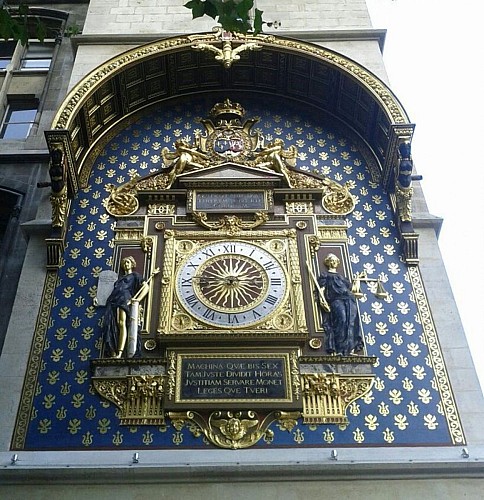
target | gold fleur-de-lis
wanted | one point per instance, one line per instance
(178, 438)
(328, 436)
(298, 436)
(87, 439)
(118, 438)
(358, 435)
(61, 413)
(388, 435)
(147, 438)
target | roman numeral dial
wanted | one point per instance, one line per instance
(231, 284)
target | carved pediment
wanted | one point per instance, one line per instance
(228, 156)
(234, 175)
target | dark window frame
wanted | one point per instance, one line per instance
(7, 51)
(16, 121)
(34, 57)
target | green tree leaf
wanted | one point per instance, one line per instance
(211, 9)
(258, 22)
(40, 30)
(243, 8)
(197, 7)
(232, 15)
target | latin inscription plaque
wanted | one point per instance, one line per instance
(207, 201)
(247, 378)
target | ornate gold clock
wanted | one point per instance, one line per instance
(245, 285)
(234, 338)
(231, 284)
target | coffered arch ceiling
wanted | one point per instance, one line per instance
(288, 68)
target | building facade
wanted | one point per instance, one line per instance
(296, 329)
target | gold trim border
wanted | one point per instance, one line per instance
(81, 92)
(34, 362)
(289, 379)
(444, 387)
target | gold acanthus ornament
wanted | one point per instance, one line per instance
(227, 54)
(230, 223)
(122, 199)
(234, 429)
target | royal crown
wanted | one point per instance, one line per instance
(227, 108)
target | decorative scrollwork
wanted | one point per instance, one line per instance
(171, 371)
(234, 429)
(114, 390)
(122, 199)
(339, 200)
(230, 223)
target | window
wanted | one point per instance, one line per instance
(37, 57)
(18, 120)
(6, 53)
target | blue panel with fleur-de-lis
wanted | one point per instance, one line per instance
(410, 403)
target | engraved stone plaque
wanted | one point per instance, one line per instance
(208, 201)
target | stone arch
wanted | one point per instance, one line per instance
(171, 68)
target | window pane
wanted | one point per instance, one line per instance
(36, 63)
(38, 56)
(7, 49)
(6, 53)
(16, 130)
(20, 115)
(39, 50)
(18, 120)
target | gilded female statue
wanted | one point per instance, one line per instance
(340, 312)
(128, 290)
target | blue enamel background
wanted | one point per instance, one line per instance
(404, 407)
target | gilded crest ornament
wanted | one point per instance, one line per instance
(122, 199)
(227, 54)
(230, 223)
(234, 429)
(229, 139)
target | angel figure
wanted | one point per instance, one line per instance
(185, 156)
(274, 156)
(234, 428)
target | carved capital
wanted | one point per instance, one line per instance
(328, 395)
(140, 397)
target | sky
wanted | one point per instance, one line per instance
(434, 62)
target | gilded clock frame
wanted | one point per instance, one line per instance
(288, 321)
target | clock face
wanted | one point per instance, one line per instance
(231, 284)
